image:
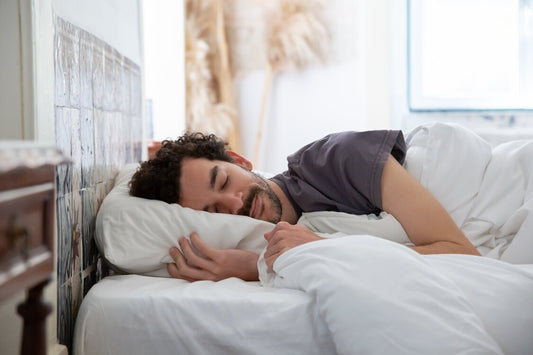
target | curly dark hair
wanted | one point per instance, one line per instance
(159, 177)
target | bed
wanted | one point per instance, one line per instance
(358, 291)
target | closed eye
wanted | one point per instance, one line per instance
(225, 184)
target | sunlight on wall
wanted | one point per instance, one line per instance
(164, 63)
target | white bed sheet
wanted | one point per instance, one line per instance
(135, 314)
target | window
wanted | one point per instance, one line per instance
(470, 55)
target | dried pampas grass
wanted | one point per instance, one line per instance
(204, 111)
(298, 35)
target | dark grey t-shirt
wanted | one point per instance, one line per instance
(341, 172)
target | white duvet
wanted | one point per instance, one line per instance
(488, 192)
(378, 297)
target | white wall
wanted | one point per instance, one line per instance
(26, 39)
(116, 22)
(11, 71)
(350, 93)
(164, 59)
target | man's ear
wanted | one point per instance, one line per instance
(240, 160)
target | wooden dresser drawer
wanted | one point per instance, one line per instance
(27, 204)
(26, 231)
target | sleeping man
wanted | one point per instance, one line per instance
(353, 172)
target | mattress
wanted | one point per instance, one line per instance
(134, 314)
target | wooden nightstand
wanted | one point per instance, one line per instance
(27, 205)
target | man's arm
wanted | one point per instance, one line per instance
(426, 222)
(211, 264)
(214, 264)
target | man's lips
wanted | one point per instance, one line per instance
(256, 209)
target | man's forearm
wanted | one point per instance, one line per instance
(445, 247)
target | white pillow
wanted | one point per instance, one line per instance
(135, 234)
(450, 161)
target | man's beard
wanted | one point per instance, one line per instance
(262, 187)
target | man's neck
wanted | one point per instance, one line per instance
(288, 214)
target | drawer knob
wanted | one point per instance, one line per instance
(15, 233)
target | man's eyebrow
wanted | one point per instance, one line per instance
(214, 173)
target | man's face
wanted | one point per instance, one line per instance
(223, 187)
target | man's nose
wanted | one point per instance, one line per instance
(231, 203)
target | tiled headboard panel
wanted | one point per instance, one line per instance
(99, 124)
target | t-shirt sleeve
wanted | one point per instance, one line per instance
(341, 171)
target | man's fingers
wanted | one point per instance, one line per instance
(276, 243)
(275, 250)
(269, 261)
(271, 250)
(280, 226)
(175, 253)
(191, 257)
(269, 235)
(202, 247)
(175, 273)
(179, 261)
(181, 270)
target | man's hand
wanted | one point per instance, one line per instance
(286, 236)
(207, 263)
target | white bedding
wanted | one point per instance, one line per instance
(355, 293)
(350, 295)
(378, 297)
(488, 192)
(135, 314)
